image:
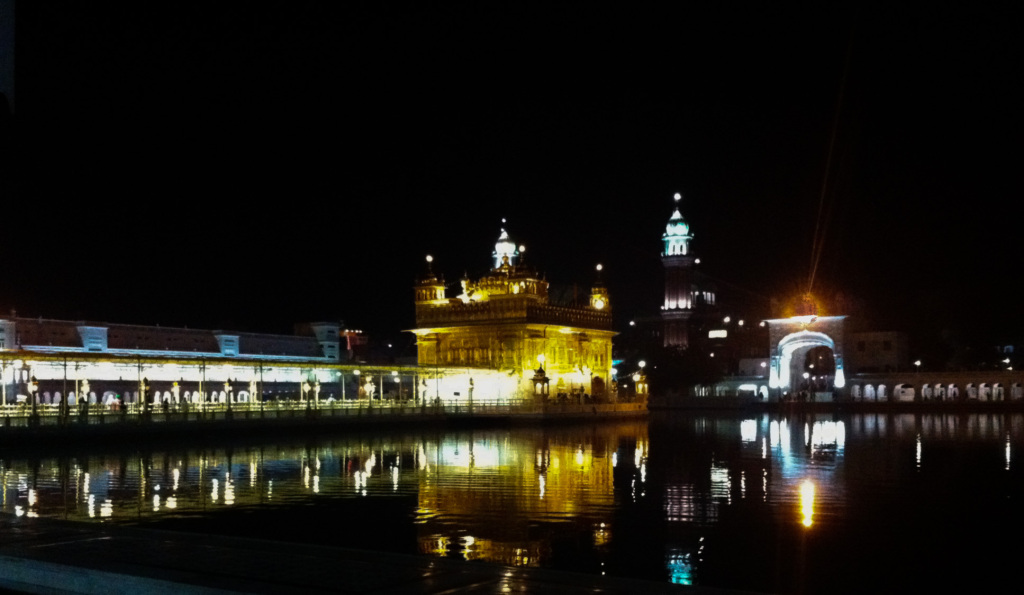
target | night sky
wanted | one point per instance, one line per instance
(247, 168)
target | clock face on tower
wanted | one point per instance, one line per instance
(599, 303)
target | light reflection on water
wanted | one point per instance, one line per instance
(685, 499)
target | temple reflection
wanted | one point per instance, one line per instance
(516, 496)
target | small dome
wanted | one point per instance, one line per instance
(676, 226)
(503, 248)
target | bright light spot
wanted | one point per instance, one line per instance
(726, 320)
(677, 197)
(642, 364)
(600, 267)
(807, 502)
(430, 258)
(748, 430)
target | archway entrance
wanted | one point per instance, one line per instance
(806, 357)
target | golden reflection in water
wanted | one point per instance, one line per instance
(514, 494)
(807, 502)
(492, 489)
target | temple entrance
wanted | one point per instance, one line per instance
(806, 362)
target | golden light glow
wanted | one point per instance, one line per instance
(807, 502)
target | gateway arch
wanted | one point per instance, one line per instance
(790, 341)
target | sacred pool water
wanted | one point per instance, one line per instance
(797, 503)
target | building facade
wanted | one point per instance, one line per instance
(52, 362)
(510, 341)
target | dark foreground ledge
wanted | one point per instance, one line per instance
(47, 556)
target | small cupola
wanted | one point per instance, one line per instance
(505, 252)
(429, 288)
(677, 232)
(599, 293)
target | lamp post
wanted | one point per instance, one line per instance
(3, 380)
(143, 389)
(640, 380)
(83, 397)
(262, 388)
(16, 378)
(33, 393)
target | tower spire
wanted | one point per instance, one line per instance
(679, 290)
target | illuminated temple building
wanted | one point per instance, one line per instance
(510, 340)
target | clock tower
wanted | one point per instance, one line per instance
(680, 292)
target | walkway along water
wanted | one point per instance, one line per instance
(20, 425)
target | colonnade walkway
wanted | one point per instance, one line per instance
(53, 556)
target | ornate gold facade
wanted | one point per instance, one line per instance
(502, 328)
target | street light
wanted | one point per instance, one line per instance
(83, 397)
(33, 391)
(918, 364)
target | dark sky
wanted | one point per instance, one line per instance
(248, 168)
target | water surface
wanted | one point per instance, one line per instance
(813, 503)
